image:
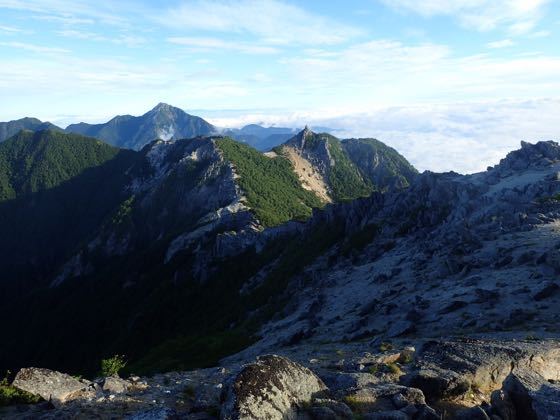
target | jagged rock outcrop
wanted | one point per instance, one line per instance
(187, 191)
(532, 396)
(311, 159)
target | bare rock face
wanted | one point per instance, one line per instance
(52, 386)
(472, 413)
(327, 409)
(274, 388)
(502, 405)
(532, 396)
(337, 381)
(156, 413)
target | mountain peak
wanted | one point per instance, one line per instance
(163, 107)
(164, 121)
(300, 138)
(11, 128)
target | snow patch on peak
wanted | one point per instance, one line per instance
(166, 133)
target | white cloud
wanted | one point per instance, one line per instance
(272, 21)
(10, 29)
(463, 137)
(112, 86)
(65, 20)
(34, 48)
(521, 28)
(206, 44)
(540, 34)
(519, 16)
(384, 71)
(120, 39)
(76, 12)
(501, 44)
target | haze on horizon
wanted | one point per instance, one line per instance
(451, 85)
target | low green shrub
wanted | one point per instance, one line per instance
(112, 366)
(384, 346)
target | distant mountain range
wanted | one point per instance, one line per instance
(163, 122)
(11, 128)
(261, 138)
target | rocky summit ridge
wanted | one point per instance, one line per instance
(462, 253)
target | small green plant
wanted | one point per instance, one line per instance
(352, 401)
(405, 358)
(475, 387)
(9, 395)
(393, 368)
(384, 346)
(373, 369)
(112, 366)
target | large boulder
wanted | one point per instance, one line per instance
(533, 397)
(273, 387)
(437, 383)
(116, 385)
(389, 401)
(50, 385)
(447, 369)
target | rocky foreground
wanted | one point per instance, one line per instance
(463, 378)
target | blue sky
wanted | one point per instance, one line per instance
(466, 79)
